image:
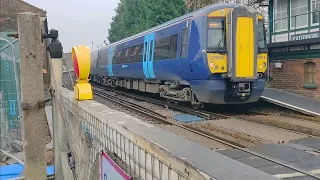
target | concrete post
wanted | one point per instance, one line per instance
(56, 84)
(32, 94)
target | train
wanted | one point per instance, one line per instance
(214, 55)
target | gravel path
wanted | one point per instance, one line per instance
(176, 130)
(293, 121)
(268, 134)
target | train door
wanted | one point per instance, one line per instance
(148, 56)
(110, 57)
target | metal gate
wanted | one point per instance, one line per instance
(10, 124)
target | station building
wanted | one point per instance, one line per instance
(294, 46)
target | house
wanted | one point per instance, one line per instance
(9, 25)
(294, 45)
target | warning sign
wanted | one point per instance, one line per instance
(110, 170)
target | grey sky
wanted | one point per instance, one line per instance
(79, 21)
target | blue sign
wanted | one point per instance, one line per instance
(110, 170)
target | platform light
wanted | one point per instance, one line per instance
(278, 65)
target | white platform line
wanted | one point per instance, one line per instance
(297, 174)
(291, 106)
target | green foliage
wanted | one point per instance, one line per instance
(134, 16)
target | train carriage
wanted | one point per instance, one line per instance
(214, 55)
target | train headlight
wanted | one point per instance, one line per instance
(212, 65)
(260, 67)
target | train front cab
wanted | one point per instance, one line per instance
(239, 57)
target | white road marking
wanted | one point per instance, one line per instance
(297, 174)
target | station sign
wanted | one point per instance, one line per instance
(110, 170)
(310, 35)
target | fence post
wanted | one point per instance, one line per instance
(32, 95)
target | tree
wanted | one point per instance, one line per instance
(134, 16)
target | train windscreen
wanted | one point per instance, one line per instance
(216, 35)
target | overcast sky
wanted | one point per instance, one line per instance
(79, 21)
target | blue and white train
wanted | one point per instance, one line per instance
(214, 55)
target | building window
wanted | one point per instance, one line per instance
(299, 18)
(280, 15)
(309, 73)
(315, 8)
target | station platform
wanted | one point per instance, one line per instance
(303, 154)
(292, 101)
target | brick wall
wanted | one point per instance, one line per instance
(291, 77)
(9, 10)
(8, 21)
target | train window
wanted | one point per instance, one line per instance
(115, 57)
(103, 60)
(216, 34)
(184, 40)
(150, 49)
(128, 54)
(127, 51)
(139, 56)
(173, 46)
(122, 56)
(136, 52)
(166, 48)
(261, 36)
(161, 50)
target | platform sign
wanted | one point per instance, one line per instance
(110, 170)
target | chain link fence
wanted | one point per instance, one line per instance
(10, 124)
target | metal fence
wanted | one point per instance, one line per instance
(10, 124)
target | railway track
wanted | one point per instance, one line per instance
(165, 120)
(131, 106)
(203, 114)
(212, 115)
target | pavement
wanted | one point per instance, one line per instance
(303, 154)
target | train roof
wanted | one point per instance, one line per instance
(205, 10)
